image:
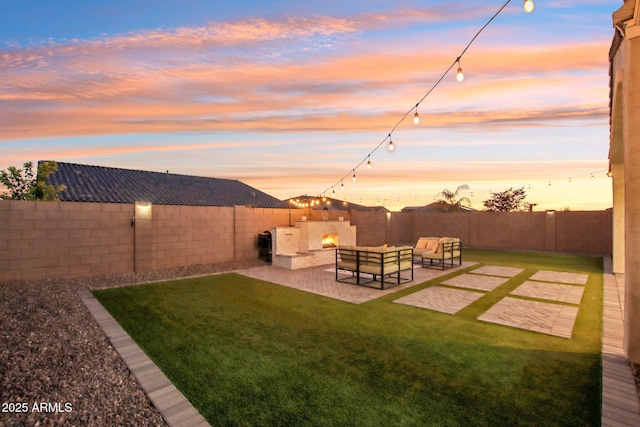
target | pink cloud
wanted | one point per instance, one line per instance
(158, 81)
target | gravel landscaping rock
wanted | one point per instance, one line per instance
(57, 367)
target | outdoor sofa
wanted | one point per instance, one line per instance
(439, 251)
(371, 266)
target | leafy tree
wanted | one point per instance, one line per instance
(23, 185)
(509, 201)
(450, 199)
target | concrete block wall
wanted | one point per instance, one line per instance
(579, 232)
(585, 232)
(251, 221)
(521, 231)
(454, 224)
(401, 229)
(186, 235)
(52, 239)
(371, 228)
(65, 239)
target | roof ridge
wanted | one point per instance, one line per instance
(140, 170)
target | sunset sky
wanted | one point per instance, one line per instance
(291, 96)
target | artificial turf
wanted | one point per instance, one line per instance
(248, 352)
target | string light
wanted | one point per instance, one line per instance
(390, 147)
(459, 74)
(529, 6)
(341, 185)
(354, 176)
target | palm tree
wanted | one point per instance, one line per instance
(450, 199)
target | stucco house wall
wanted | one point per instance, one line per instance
(624, 157)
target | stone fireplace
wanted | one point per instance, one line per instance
(310, 243)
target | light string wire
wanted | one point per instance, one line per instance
(388, 137)
(474, 191)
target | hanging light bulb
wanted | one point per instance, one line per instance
(529, 6)
(333, 192)
(354, 179)
(390, 147)
(416, 118)
(341, 185)
(459, 74)
(368, 162)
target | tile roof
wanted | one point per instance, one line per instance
(86, 183)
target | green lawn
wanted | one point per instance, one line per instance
(247, 352)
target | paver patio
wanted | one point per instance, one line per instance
(560, 277)
(322, 281)
(438, 298)
(550, 291)
(494, 270)
(475, 281)
(547, 318)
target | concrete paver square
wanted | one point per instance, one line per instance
(475, 281)
(437, 298)
(561, 277)
(494, 270)
(550, 291)
(547, 318)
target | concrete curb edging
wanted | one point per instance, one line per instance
(173, 406)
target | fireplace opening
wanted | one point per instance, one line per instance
(329, 241)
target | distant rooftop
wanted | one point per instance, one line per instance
(331, 204)
(85, 183)
(438, 206)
